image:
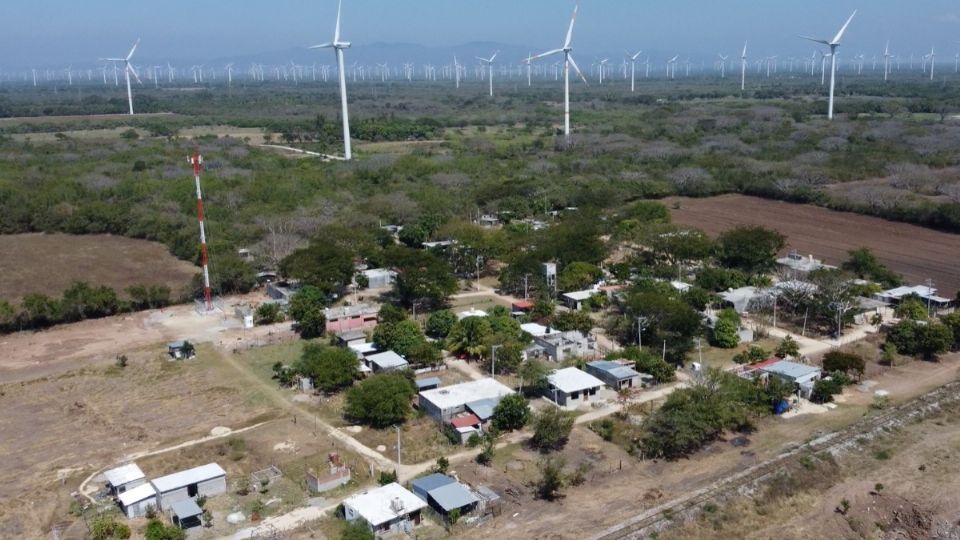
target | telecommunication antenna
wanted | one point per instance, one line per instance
(197, 160)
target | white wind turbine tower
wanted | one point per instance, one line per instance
(489, 63)
(338, 47)
(886, 62)
(229, 74)
(723, 65)
(456, 69)
(568, 62)
(127, 70)
(633, 69)
(933, 58)
(603, 66)
(743, 68)
(833, 44)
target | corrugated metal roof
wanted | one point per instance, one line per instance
(483, 407)
(791, 370)
(137, 494)
(187, 508)
(123, 474)
(387, 360)
(453, 496)
(617, 370)
(190, 476)
(429, 381)
(465, 421)
(431, 482)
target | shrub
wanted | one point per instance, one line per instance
(381, 400)
(551, 478)
(788, 348)
(513, 412)
(551, 429)
(387, 477)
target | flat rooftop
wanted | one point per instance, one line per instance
(457, 395)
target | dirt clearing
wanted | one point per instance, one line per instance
(49, 263)
(915, 252)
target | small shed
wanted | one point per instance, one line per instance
(569, 387)
(616, 376)
(348, 337)
(466, 425)
(483, 408)
(186, 514)
(135, 502)
(124, 478)
(207, 480)
(386, 361)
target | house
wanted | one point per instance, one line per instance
(363, 349)
(356, 317)
(386, 509)
(926, 294)
(802, 375)
(136, 502)
(680, 286)
(571, 387)
(550, 275)
(445, 402)
(207, 480)
(521, 306)
(489, 220)
(575, 300)
(347, 337)
(439, 244)
(282, 291)
(185, 514)
(444, 494)
(472, 312)
(124, 478)
(796, 266)
(337, 475)
(741, 299)
(428, 383)
(379, 278)
(466, 425)
(538, 330)
(386, 361)
(616, 376)
(562, 345)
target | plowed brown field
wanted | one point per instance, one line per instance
(915, 252)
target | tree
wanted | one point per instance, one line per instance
(331, 368)
(231, 275)
(306, 307)
(649, 363)
(865, 265)
(578, 276)
(387, 477)
(488, 445)
(439, 323)
(533, 376)
(911, 307)
(106, 527)
(381, 400)
(424, 353)
(551, 429)
(513, 412)
(952, 321)
(356, 530)
(442, 466)
(322, 264)
(551, 478)
(573, 320)
(725, 334)
(788, 348)
(469, 336)
(922, 339)
(669, 319)
(268, 314)
(39, 310)
(750, 248)
(390, 314)
(720, 279)
(423, 277)
(844, 362)
(752, 355)
(156, 530)
(401, 337)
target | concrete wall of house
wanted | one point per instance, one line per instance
(208, 488)
(321, 484)
(436, 413)
(128, 486)
(140, 509)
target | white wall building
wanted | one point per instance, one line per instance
(445, 402)
(386, 509)
(207, 480)
(571, 387)
(136, 501)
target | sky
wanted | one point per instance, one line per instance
(61, 32)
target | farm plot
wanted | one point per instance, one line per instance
(914, 252)
(49, 263)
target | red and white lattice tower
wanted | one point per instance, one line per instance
(196, 160)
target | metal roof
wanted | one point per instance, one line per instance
(123, 474)
(483, 408)
(538, 330)
(571, 379)
(791, 370)
(387, 360)
(580, 296)
(385, 503)
(191, 476)
(429, 381)
(137, 494)
(453, 496)
(617, 370)
(186, 508)
(468, 420)
(431, 482)
(458, 395)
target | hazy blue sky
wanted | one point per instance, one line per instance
(38, 32)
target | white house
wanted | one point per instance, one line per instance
(135, 502)
(124, 478)
(385, 361)
(207, 480)
(445, 402)
(386, 509)
(571, 387)
(538, 330)
(575, 300)
(379, 278)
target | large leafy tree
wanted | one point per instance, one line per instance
(400, 337)
(321, 264)
(513, 412)
(469, 336)
(864, 264)
(578, 275)
(750, 248)
(381, 400)
(422, 277)
(331, 368)
(439, 323)
(306, 307)
(668, 319)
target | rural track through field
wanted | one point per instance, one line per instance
(662, 516)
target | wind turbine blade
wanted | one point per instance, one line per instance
(134, 72)
(577, 69)
(482, 59)
(815, 40)
(634, 57)
(336, 32)
(494, 56)
(133, 49)
(836, 40)
(744, 55)
(541, 55)
(113, 60)
(573, 19)
(322, 46)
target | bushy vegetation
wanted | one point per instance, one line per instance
(380, 400)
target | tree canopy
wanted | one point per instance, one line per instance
(380, 400)
(751, 249)
(331, 368)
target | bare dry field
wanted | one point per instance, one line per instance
(57, 430)
(49, 263)
(915, 252)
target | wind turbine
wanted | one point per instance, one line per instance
(933, 59)
(603, 66)
(886, 61)
(633, 69)
(338, 47)
(833, 44)
(489, 63)
(743, 68)
(229, 74)
(127, 70)
(568, 62)
(456, 69)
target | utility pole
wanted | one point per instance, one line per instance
(526, 278)
(700, 350)
(493, 360)
(929, 294)
(641, 324)
(398, 444)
